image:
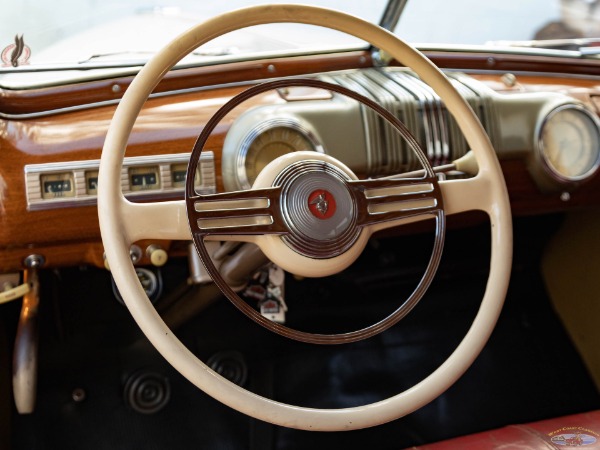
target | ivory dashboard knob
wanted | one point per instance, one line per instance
(158, 256)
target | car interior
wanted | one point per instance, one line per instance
(280, 225)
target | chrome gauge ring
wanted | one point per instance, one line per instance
(569, 143)
(267, 141)
(318, 209)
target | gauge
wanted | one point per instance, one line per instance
(178, 174)
(57, 185)
(144, 178)
(569, 143)
(91, 182)
(268, 142)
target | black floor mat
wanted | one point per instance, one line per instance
(528, 371)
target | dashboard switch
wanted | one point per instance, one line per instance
(158, 256)
(135, 253)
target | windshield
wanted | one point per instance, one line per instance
(72, 32)
(506, 22)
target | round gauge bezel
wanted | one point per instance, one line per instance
(255, 132)
(547, 165)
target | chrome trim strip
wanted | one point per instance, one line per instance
(430, 109)
(116, 101)
(370, 118)
(403, 80)
(389, 138)
(405, 109)
(252, 82)
(498, 50)
(442, 149)
(525, 73)
(381, 142)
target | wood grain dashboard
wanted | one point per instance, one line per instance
(68, 123)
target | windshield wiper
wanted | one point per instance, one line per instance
(212, 52)
(110, 54)
(585, 46)
(391, 14)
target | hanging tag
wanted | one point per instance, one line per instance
(255, 292)
(272, 310)
(276, 285)
(267, 288)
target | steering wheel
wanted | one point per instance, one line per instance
(123, 223)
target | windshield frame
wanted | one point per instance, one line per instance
(101, 65)
(26, 77)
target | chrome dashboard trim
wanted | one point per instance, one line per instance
(429, 128)
(369, 118)
(92, 105)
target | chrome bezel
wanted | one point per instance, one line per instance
(254, 133)
(547, 166)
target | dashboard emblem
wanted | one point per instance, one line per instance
(321, 204)
(16, 54)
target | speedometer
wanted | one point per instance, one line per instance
(268, 141)
(271, 144)
(569, 143)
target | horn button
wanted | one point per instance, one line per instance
(318, 209)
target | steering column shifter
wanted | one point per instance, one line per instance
(25, 359)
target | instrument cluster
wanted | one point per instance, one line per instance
(75, 183)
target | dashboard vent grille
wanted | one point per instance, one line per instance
(416, 105)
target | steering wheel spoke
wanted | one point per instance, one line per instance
(472, 194)
(164, 220)
(241, 213)
(384, 202)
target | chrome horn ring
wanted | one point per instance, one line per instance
(293, 227)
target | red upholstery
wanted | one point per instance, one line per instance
(577, 431)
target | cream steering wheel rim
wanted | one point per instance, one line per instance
(490, 193)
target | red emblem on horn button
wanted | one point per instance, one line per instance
(321, 204)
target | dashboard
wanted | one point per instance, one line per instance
(544, 128)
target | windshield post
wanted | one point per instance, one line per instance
(389, 20)
(392, 14)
